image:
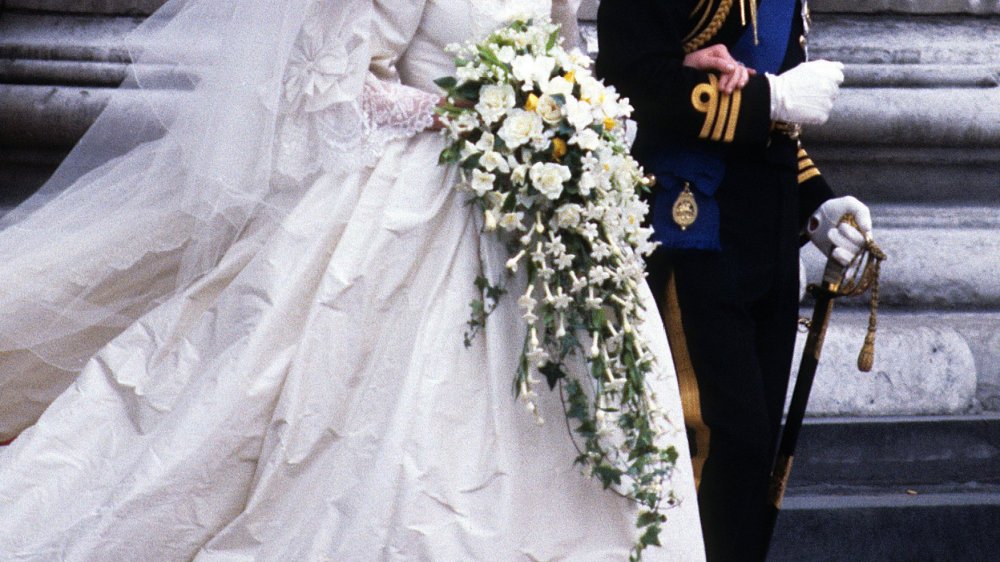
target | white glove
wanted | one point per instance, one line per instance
(805, 93)
(840, 241)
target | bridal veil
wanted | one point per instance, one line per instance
(202, 145)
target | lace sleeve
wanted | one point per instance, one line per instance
(391, 110)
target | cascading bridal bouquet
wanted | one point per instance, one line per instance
(541, 149)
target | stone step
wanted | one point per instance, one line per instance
(102, 7)
(890, 526)
(970, 7)
(588, 9)
(937, 257)
(893, 488)
(64, 37)
(901, 39)
(844, 455)
(926, 363)
(909, 174)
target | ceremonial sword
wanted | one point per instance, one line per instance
(837, 282)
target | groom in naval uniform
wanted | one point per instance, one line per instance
(720, 89)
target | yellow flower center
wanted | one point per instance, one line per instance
(532, 102)
(570, 76)
(558, 148)
(609, 123)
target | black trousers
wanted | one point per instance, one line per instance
(731, 319)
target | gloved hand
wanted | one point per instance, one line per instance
(805, 93)
(841, 241)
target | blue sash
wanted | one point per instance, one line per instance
(703, 164)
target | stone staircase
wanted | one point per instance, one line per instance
(908, 470)
(899, 464)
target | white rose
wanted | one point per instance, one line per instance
(482, 182)
(587, 139)
(578, 113)
(548, 178)
(549, 109)
(520, 127)
(568, 216)
(494, 101)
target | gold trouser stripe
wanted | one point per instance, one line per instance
(808, 175)
(690, 394)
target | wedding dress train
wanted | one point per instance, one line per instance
(309, 396)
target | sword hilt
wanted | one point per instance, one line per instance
(856, 278)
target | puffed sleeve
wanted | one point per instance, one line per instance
(393, 24)
(395, 108)
(642, 54)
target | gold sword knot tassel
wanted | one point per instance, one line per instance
(861, 275)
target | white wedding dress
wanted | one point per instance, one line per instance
(309, 397)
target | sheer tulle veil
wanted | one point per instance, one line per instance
(186, 160)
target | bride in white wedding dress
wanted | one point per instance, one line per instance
(266, 315)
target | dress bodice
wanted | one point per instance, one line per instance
(455, 21)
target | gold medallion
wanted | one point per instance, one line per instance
(685, 209)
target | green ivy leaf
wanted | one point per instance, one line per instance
(446, 83)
